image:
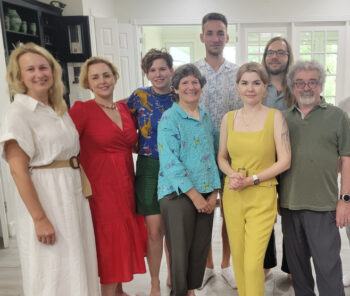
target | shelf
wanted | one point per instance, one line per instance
(22, 34)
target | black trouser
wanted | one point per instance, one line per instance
(188, 237)
(270, 260)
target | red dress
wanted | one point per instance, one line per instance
(106, 155)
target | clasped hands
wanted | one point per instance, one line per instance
(237, 181)
(203, 205)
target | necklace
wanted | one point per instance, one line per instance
(111, 107)
(244, 121)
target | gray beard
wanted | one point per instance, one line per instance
(307, 100)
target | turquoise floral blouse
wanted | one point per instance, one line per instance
(186, 153)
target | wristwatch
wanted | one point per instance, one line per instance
(256, 180)
(345, 197)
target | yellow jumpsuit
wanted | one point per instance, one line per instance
(251, 212)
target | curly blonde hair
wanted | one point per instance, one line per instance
(17, 86)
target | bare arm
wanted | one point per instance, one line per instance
(224, 161)
(223, 156)
(343, 208)
(18, 161)
(199, 201)
(282, 143)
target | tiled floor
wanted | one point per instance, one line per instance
(10, 278)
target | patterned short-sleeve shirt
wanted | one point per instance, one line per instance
(219, 93)
(147, 108)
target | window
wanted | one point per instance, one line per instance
(322, 45)
(230, 53)
(181, 53)
(256, 42)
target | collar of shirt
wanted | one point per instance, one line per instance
(225, 65)
(27, 101)
(273, 91)
(184, 115)
(323, 104)
(161, 96)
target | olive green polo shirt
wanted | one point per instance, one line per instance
(317, 142)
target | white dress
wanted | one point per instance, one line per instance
(69, 267)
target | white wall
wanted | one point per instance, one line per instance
(97, 8)
(183, 11)
(152, 37)
(73, 7)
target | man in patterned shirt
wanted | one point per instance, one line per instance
(218, 97)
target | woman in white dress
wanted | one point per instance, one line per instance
(37, 139)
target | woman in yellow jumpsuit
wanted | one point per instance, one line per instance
(254, 149)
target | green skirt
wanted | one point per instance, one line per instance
(147, 170)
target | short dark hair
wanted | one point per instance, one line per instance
(154, 54)
(214, 16)
(184, 71)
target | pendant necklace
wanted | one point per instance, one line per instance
(111, 107)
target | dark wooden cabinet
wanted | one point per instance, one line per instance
(66, 37)
(32, 15)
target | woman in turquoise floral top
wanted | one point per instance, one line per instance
(188, 181)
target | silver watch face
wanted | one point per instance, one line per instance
(346, 197)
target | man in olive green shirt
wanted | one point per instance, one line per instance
(311, 208)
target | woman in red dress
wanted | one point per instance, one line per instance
(107, 136)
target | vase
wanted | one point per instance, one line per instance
(15, 20)
(32, 28)
(24, 27)
(7, 22)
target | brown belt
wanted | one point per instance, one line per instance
(73, 162)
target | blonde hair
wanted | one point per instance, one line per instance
(17, 86)
(83, 77)
(253, 67)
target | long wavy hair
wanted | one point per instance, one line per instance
(288, 95)
(17, 86)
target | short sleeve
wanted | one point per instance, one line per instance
(78, 115)
(344, 135)
(14, 127)
(132, 101)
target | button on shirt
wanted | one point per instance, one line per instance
(186, 153)
(219, 93)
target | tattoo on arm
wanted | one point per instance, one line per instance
(285, 136)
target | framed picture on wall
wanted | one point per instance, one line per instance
(75, 39)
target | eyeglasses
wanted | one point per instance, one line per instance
(300, 84)
(279, 53)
